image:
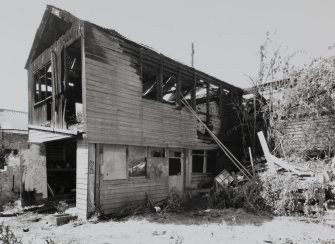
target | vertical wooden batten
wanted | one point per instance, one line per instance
(178, 89)
(54, 82)
(194, 91)
(83, 74)
(160, 82)
(220, 102)
(31, 94)
(207, 104)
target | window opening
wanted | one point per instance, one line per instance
(43, 83)
(137, 161)
(204, 161)
(169, 89)
(211, 162)
(198, 158)
(149, 83)
(175, 158)
(72, 84)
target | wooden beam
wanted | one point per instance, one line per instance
(220, 103)
(193, 92)
(83, 80)
(98, 162)
(178, 89)
(66, 75)
(141, 63)
(207, 104)
(39, 86)
(160, 83)
(53, 85)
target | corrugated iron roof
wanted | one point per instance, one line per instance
(13, 120)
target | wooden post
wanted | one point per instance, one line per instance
(193, 92)
(141, 64)
(39, 86)
(66, 75)
(178, 89)
(98, 158)
(160, 83)
(207, 104)
(53, 85)
(220, 103)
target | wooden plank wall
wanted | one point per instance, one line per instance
(82, 179)
(196, 178)
(114, 195)
(118, 194)
(115, 110)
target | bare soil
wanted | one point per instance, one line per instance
(208, 226)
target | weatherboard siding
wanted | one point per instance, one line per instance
(116, 113)
(82, 179)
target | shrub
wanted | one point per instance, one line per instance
(280, 194)
(7, 236)
(247, 196)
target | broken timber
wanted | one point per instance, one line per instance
(232, 158)
(273, 160)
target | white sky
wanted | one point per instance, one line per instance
(227, 34)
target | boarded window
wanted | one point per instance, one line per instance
(137, 161)
(114, 162)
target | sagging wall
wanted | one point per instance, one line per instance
(116, 113)
(307, 134)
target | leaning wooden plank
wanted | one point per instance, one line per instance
(266, 151)
(272, 160)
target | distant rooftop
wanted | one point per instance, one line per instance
(13, 120)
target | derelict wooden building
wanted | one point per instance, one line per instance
(108, 116)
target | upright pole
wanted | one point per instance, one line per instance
(192, 55)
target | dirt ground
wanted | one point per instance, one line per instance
(208, 226)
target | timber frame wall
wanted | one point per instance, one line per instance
(115, 112)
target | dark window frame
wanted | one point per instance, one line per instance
(205, 156)
(39, 75)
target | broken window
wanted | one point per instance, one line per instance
(211, 162)
(203, 161)
(43, 83)
(175, 158)
(169, 89)
(72, 84)
(149, 83)
(137, 161)
(156, 152)
(198, 158)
